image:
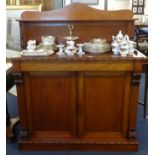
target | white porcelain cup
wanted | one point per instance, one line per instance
(31, 48)
(123, 52)
(115, 50)
(31, 43)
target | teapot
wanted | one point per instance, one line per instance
(126, 38)
(122, 45)
(119, 35)
(120, 38)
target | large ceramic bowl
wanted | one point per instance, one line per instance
(97, 46)
(48, 40)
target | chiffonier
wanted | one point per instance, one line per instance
(77, 103)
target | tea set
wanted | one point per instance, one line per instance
(70, 49)
(121, 45)
(41, 49)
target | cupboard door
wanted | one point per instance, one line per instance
(104, 104)
(51, 104)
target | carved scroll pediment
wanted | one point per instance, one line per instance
(76, 12)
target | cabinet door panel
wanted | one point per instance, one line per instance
(104, 103)
(51, 103)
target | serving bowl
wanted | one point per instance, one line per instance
(97, 45)
(48, 40)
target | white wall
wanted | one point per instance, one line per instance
(115, 5)
(146, 7)
(100, 6)
(119, 4)
(127, 4)
(112, 4)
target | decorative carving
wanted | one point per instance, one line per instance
(78, 142)
(136, 78)
(132, 133)
(18, 78)
(24, 133)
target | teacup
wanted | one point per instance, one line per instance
(31, 45)
(31, 42)
(123, 52)
(115, 50)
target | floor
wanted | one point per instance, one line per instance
(142, 133)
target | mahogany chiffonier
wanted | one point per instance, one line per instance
(77, 103)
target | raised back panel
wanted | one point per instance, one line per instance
(88, 23)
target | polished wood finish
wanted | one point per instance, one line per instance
(78, 109)
(99, 110)
(62, 114)
(88, 23)
(77, 103)
(35, 30)
(77, 12)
